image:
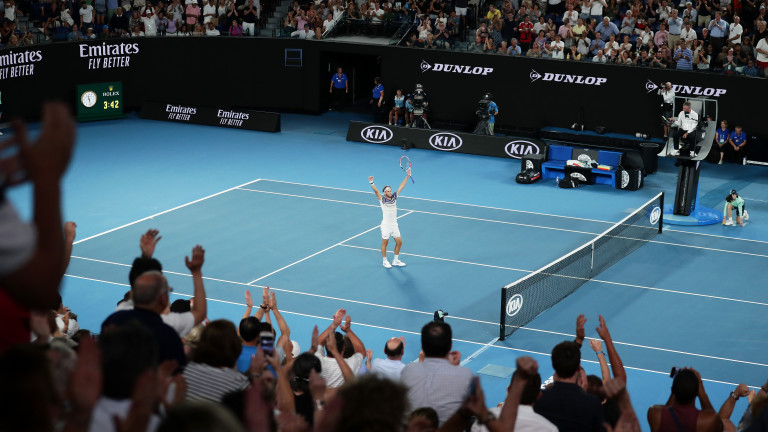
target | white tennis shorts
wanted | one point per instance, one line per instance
(388, 231)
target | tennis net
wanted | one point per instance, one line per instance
(529, 296)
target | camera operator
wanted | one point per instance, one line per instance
(486, 112)
(420, 105)
(686, 122)
(668, 99)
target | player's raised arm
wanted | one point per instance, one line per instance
(405, 180)
(375, 189)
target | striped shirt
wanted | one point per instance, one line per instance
(210, 383)
(684, 62)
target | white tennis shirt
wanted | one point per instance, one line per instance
(389, 209)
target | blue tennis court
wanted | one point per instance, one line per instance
(293, 211)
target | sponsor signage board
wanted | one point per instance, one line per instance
(222, 117)
(459, 142)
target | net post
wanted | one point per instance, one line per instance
(592, 261)
(503, 315)
(661, 206)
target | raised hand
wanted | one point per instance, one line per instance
(527, 366)
(265, 296)
(248, 299)
(596, 345)
(580, 321)
(143, 404)
(741, 390)
(272, 301)
(315, 340)
(347, 324)
(330, 343)
(198, 258)
(148, 242)
(370, 179)
(454, 357)
(338, 317)
(603, 330)
(48, 157)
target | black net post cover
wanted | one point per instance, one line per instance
(525, 299)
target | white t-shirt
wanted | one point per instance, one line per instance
(87, 14)
(105, 411)
(181, 322)
(208, 9)
(558, 53)
(389, 209)
(596, 8)
(150, 25)
(331, 371)
(735, 30)
(763, 45)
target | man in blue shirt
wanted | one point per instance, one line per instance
(377, 98)
(675, 27)
(721, 139)
(684, 56)
(718, 30)
(738, 141)
(339, 88)
(606, 29)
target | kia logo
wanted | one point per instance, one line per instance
(519, 148)
(514, 305)
(376, 134)
(445, 141)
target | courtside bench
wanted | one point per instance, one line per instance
(557, 156)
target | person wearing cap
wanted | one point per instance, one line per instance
(734, 201)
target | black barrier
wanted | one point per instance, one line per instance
(531, 93)
(229, 118)
(449, 141)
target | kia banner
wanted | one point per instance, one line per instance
(432, 139)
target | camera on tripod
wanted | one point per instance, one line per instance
(483, 106)
(419, 100)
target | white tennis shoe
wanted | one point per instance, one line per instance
(728, 223)
(746, 216)
(386, 263)
(398, 263)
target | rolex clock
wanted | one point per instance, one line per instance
(99, 101)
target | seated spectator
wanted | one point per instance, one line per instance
(535, 51)
(438, 382)
(211, 372)
(211, 30)
(729, 62)
(680, 412)
(626, 45)
(514, 48)
(643, 59)
(659, 61)
(13, 41)
(442, 37)
(540, 27)
(580, 28)
(566, 404)
(750, 70)
(573, 54)
(28, 39)
(541, 40)
(235, 29)
(393, 365)
(597, 44)
(557, 48)
(328, 23)
(612, 47)
(75, 34)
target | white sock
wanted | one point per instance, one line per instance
(397, 257)
(384, 258)
(729, 220)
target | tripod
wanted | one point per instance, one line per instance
(420, 122)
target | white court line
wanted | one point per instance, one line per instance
(715, 235)
(509, 223)
(404, 331)
(446, 202)
(429, 213)
(430, 314)
(479, 351)
(164, 212)
(321, 251)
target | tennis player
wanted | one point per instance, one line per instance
(389, 226)
(734, 201)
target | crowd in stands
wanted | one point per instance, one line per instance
(700, 35)
(157, 365)
(92, 19)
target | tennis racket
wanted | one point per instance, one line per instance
(405, 164)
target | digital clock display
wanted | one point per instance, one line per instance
(99, 101)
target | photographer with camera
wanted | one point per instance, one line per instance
(486, 112)
(420, 104)
(667, 94)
